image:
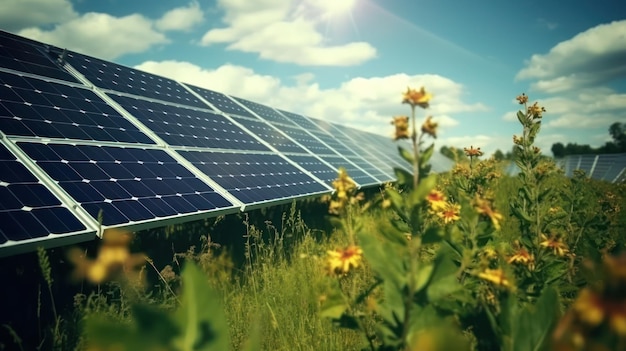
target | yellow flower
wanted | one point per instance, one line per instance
(451, 212)
(495, 276)
(402, 127)
(593, 309)
(522, 256)
(429, 127)
(341, 261)
(517, 140)
(522, 99)
(536, 111)
(436, 200)
(559, 248)
(489, 253)
(473, 152)
(416, 98)
(484, 207)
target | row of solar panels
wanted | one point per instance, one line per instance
(85, 141)
(607, 167)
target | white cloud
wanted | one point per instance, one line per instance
(277, 31)
(593, 57)
(101, 35)
(20, 14)
(364, 103)
(181, 18)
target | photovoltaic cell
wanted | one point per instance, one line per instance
(222, 102)
(318, 168)
(128, 184)
(305, 139)
(24, 55)
(189, 127)
(300, 120)
(270, 135)
(334, 144)
(267, 113)
(112, 76)
(28, 210)
(34, 107)
(254, 178)
(362, 178)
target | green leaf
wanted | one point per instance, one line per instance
(521, 117)
(404, 177)
(423, 276)
(443, 281)
(535, 323)
(200, 317)
(426, 155)
(432, 235)
(408, 156)
(426, 184)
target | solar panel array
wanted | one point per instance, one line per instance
(87, 144)
(606, 167)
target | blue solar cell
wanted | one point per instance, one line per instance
(112, 76)
(189, 127)
(270, 135)
(222, 102)
(357, 174)
(28, 209)
(318, 168)
(265, 112)
(334, 144)
(33, 107)
(254, 178)
(307, 140)
(299, 120)
(127, 184)
(28, 56)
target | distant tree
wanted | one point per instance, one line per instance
(558, 150)
(498, 155)
(618, 133)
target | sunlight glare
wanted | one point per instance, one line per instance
(332, 8)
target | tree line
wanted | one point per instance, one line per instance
(617, 131)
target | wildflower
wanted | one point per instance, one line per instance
(341, 261)
(386, 203)
(429, 127)
(522, 256)
(416, 98)
(334, 207)
(517, 140)
(593, 308)
(473, 152)
(536, 111)
(559, 248)
(484, 207)
(536, 150)
(436, 200)
(522, 99)
(489, 253)
(402, 127)
(495, 276)
(451, 212)
(343, 184)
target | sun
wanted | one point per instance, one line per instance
(334, 8)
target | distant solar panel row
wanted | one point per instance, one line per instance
(87, 138)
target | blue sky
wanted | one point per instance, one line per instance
(348, 61)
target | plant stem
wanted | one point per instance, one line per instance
(416, 150)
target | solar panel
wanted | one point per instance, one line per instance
(270, 135)
(255, 178)
(128, 184)
(265, 112)
(108, 75)
(221, 102)
(189, 127)
(316, 167)
(300, 120)
(356, 173)
(28, 210)
(34, 107)
(28, 56)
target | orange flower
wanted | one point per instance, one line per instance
(495, 276)
(522, 99)
(450, 213)
(593, 309)
(559, 248)
(402, 127)
(429, 127)
(473, 152)
(436, 200)
(536, 111)
(341, 261)
(522, 256)
(416, 98)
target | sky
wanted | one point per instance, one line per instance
(348, 61)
